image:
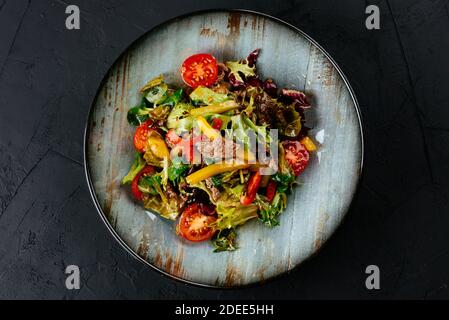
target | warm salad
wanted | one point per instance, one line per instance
(222, 151)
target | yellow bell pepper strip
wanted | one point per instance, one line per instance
(308, 144)
(212, 134)
(158, 147)
(215, 108)
(213, 170)
(248, 156)
(205, 128)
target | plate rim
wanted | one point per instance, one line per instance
(87, 173)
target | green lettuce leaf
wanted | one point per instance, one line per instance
(179, 118)
(269, 212)
(237, 68)
(233, 215)
(225, 240)
(207, 96)
(138, 164)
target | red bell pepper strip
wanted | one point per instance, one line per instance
(271, 190)
(253, 186)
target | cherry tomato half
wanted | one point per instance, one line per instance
(253, 186)
(199, 70)
(142, 134)
(194, 224)
(296, 155)
(135, 183)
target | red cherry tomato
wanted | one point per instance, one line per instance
(135, 183)
(296, 155)
(142, 134)
(200, 70)
(253, 186)
(194, 224)
(217, 123)
(271, 190)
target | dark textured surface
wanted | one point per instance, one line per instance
(398, 221)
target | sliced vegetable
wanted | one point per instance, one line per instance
(179, 119)
(157, 145)
(159, 113)
(308, 144)
(215, 108)
(253, 186)
(206, 129)
(199, 70)
(213, 170)
(157, 93)
(207, 96)
(152, 83)
(195, 225)
(142, 134)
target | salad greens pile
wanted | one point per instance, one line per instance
(196, 158)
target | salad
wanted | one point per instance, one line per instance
(221, 151)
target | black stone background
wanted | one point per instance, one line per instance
(399, 219)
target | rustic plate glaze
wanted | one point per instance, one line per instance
(316, 207)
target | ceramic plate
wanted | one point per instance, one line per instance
(317, 205)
